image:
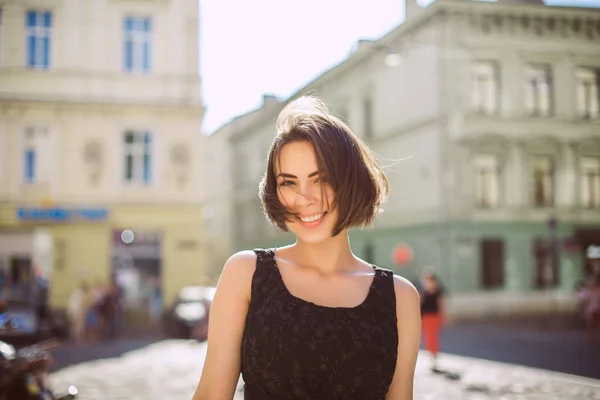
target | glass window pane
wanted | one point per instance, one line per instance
(146, 56)
(30, 19)
(48, 19)
(46, 44)
(29, 164)
(129, 167)
(147, 168)
(31, 49)
(129, 137)
(128, 55)
(128, 25)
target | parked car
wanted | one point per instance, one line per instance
(31, 322)
(187, 317)
(23, 319)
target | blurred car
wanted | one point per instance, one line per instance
(187, 317)
(22, 319)
(29, 322)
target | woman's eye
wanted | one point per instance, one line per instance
(286, 183)
(321, 179)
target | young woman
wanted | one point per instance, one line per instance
(433, 314)
(311, 320)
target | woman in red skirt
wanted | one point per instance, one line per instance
(433, 313)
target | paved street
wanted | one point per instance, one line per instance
(170, 370)
(561, 350)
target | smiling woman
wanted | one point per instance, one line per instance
(355, 183)
(311, 320)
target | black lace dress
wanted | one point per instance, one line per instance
(294, 349)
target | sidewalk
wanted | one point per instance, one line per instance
(171, 369)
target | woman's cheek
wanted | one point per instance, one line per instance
(283, 197)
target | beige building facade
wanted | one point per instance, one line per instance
(100, 131)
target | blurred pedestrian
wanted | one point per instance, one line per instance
(114, 309)
(95, 322)
(433, 313)
(154, 299)
(590, 300)
(311, 320)
(78, 307)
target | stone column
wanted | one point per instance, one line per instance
(516, 176)
(564, 89)
(566, 178)
(510, 85)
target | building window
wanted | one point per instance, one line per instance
(138, 157)
(542, 169)
(546, 264)
(590, 182)
(484, 94)
(35, 150)
(492, 263)
(538, 92)
(588, 92)
(137, 44)
(487, 181)
(368, 118)
(39, 38)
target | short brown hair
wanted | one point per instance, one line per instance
(359, 183)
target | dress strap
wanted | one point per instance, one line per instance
(260, 253)
(384, 287)
(263, 280)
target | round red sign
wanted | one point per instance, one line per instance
(402, 254)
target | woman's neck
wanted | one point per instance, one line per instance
(329, 257)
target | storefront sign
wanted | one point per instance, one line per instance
(57, 214)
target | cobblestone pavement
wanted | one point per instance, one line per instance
(170, 370)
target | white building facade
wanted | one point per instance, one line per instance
(488, 123)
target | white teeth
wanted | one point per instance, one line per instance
(313, 218)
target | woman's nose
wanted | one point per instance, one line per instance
(305, 196)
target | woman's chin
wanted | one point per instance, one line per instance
(315, 236)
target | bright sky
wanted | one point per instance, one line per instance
(251, 47)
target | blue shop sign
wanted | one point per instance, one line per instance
(57, 214)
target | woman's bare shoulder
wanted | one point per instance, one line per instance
(237, 273)
(242, 263)
(406, 292)
(242, 259)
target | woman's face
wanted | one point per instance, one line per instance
(305, 192)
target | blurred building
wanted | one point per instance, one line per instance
(100, 131)
(487, 117)
(225, 176)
